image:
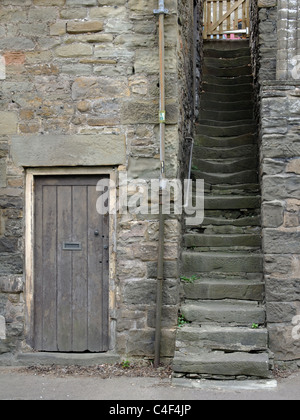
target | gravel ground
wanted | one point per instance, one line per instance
(105, 371)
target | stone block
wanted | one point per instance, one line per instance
(267, 3)
(84, 27)
(68, 150)
(277, 146)
(171, 269)
(3, 181)
(58, 28)
(281, 242)
(282, 341)
(74, 50)
(43, 14)
(146, 61)
(49, 2)
(99, 87)
(281, 311)
(282, 290)
(280, 188)
(73, 13)
(11, 284)
(2, 328)
(17, 44)
(11, 264)
(81, 2)
(140, 342)
(131, 269)
(143, 168)
(147, 112)
(143, 292)
(294, 166)
(285, 266)
(8, 122)
(110, 12)
(272, 214)
(169, 317)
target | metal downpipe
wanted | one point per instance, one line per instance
(162, 118)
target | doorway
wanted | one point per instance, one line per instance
(71, 266)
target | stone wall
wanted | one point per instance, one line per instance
(288, 38)
(85, 72)
(267, 39)
(280, 165)
(279, 152)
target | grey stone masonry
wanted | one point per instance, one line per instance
(288, 39)
(280, 170)
(81, 93)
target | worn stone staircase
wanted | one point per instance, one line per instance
(225, 334)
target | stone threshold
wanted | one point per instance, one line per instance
(225, 385)
(59, 359)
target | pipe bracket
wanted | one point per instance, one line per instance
(161, 11)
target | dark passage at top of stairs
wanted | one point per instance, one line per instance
(225, 334)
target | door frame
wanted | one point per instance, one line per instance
(29, 218)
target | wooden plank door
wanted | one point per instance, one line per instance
(71, 269)
(223, 18)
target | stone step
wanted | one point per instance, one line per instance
(225, 115)
(223, 364)
(225, 166)
(225, 221)
(227, 62)
(202, 140)
(221, 262)
(232, 202)
(231, 131)
(224, 124)
(223, 241)
(220, 289)
(230, 72)
(223, 98)
(240, 89)
(208, 105)
(241, 190)
(193, 339)
(229, 230)
(249, 176)
(227, 54)
(239, 92)
(224, 46)
(227, 82)
(212, 153)
(224, 312)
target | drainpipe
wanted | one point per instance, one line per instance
(162, 119)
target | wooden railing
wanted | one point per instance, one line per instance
(226, 19)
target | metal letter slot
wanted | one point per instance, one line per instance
(72, 246)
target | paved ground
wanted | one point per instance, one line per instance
(28, 386)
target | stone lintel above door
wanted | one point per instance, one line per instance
(68, 150)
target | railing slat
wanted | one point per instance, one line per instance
(223, 16)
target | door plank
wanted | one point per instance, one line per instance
(95, 262)
(80, 269)
(38, 268)
(49, 268)
(64, 269)
(105, 274)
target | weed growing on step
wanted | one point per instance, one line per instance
(191, 279)
(255, 326)
(182, 321)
